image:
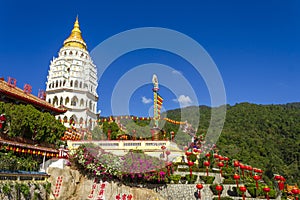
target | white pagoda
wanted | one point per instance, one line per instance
(72, 83)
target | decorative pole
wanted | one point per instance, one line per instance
(236, 178)
(256, 178)
(266, 189)
(220, 165)
(155, 89)
(199, 186)
(190, 164)
(219, 188)
(243, 190)
(206, 164)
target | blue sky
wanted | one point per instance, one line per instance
(255, 45)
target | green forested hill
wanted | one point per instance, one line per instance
(264, 136)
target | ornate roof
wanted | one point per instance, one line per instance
(75, 38)
(12, 93)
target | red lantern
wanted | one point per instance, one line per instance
(281, 181)
(243, 190)
(295, 191)
(266, 189)
(221, 158)
(226, 159)
(236, 177)
(258, 170)
(199, 186)
(256, 178)
(206, 164)
(277, 177)
(207, 155)
(188, 153)
(168, 152)
(219, 188)
(195, 150)
(250, 168)
(236, 164)
(216, 156)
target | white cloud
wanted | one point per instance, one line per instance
(146, 101)
(184, 100)
(175, 72)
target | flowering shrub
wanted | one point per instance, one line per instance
(132, 167)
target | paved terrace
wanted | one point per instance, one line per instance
(121, 147)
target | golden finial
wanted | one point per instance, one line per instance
(75, 38)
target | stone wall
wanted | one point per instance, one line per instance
(75, 186)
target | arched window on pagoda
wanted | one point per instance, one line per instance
(56, 83)
(71, 53)
(65, 119)
(81, 102)
(59, 119)
(80, 84)
(64, 83)
(49, 86)
(59, 83)
(90, 106)
(49, 101)
(81, 121)
(61, 101)
(73, 119)
(55, 101)
(76, 84)
(67, 101)
(71, 83)
(74, 101)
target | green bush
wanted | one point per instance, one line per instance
(229, 181)
(193, 157)
(25, 190)
(6, 189)
(191, 180)
(207, 179)
(175, 178)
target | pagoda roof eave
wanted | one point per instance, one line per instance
(16, 94)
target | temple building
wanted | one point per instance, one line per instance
(72, 83)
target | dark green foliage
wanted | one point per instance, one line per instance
(193, 157)
(6, 189)
(264, 136)
(10, 161)
(24, 121)
(175, 178)
(191, 180)
(24, 189)
(207, 179)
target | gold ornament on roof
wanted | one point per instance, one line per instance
(75, 38)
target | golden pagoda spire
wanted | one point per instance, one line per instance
(75, 38)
